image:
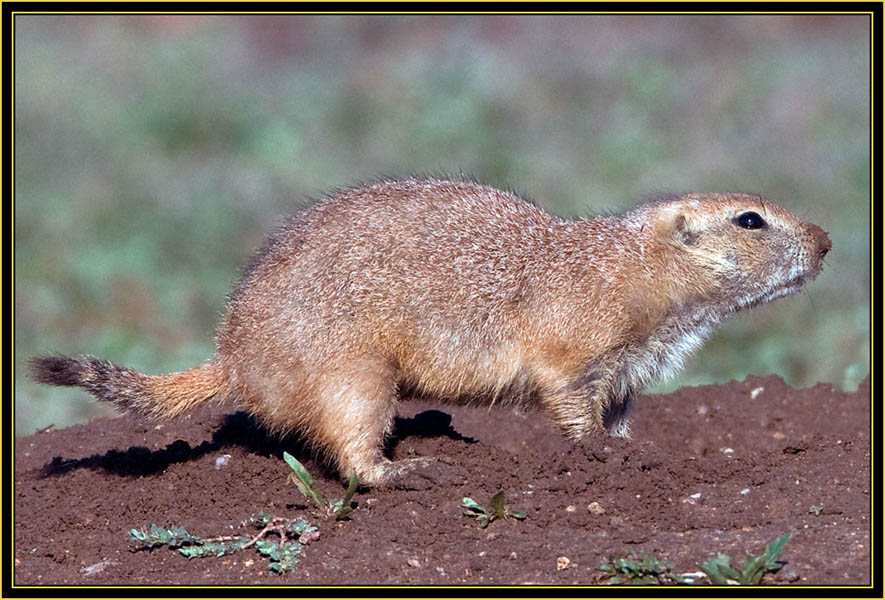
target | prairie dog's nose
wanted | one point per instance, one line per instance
(821, 239)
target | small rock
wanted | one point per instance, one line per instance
(617, 521)
(562, 563)
(594, 508)
(570, 508)
(222, 461)
(309, 536)
(756, 391)
(693, 577)
(745, 491)
(97, 567)
(787, 573)
(413, 562)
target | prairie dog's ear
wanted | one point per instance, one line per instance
(675, 225)
(683, 231)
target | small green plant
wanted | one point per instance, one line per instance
(283, 555)
(304, 481)
(641, 570)
(499, 510)
(816, 510)
(720, 571)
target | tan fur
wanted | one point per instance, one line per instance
(462, 291)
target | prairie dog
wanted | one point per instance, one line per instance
(466, 292)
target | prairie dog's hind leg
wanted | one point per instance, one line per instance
(356, 412)
(353, 414)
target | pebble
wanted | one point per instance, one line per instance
(594, 508)
(787, 573)
(693, 577)
(97, 567)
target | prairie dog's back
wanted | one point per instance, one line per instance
(408, 240)
(413, 268)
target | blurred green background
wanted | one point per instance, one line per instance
(154, 153)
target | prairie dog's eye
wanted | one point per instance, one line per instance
(749, 220)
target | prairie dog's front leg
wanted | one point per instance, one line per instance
(591, 402)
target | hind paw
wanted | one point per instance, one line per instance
(415, 474)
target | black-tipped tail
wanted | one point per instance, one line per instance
(56, 370)
(129, 390)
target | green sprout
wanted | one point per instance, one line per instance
(720, 571)
(499, 510)
(641, 570)
(305, 483)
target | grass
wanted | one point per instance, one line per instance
(292, 533)
(641, 570)
(153, 154)
(648, 570)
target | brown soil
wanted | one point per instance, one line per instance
(709, 469)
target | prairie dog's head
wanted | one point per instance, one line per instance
(736, 250)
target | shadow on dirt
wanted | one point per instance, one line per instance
(239, 429)
(427, 424)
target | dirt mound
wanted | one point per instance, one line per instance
(710, 469)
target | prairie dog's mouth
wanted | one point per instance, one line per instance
(790, 287)
(793, 285)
